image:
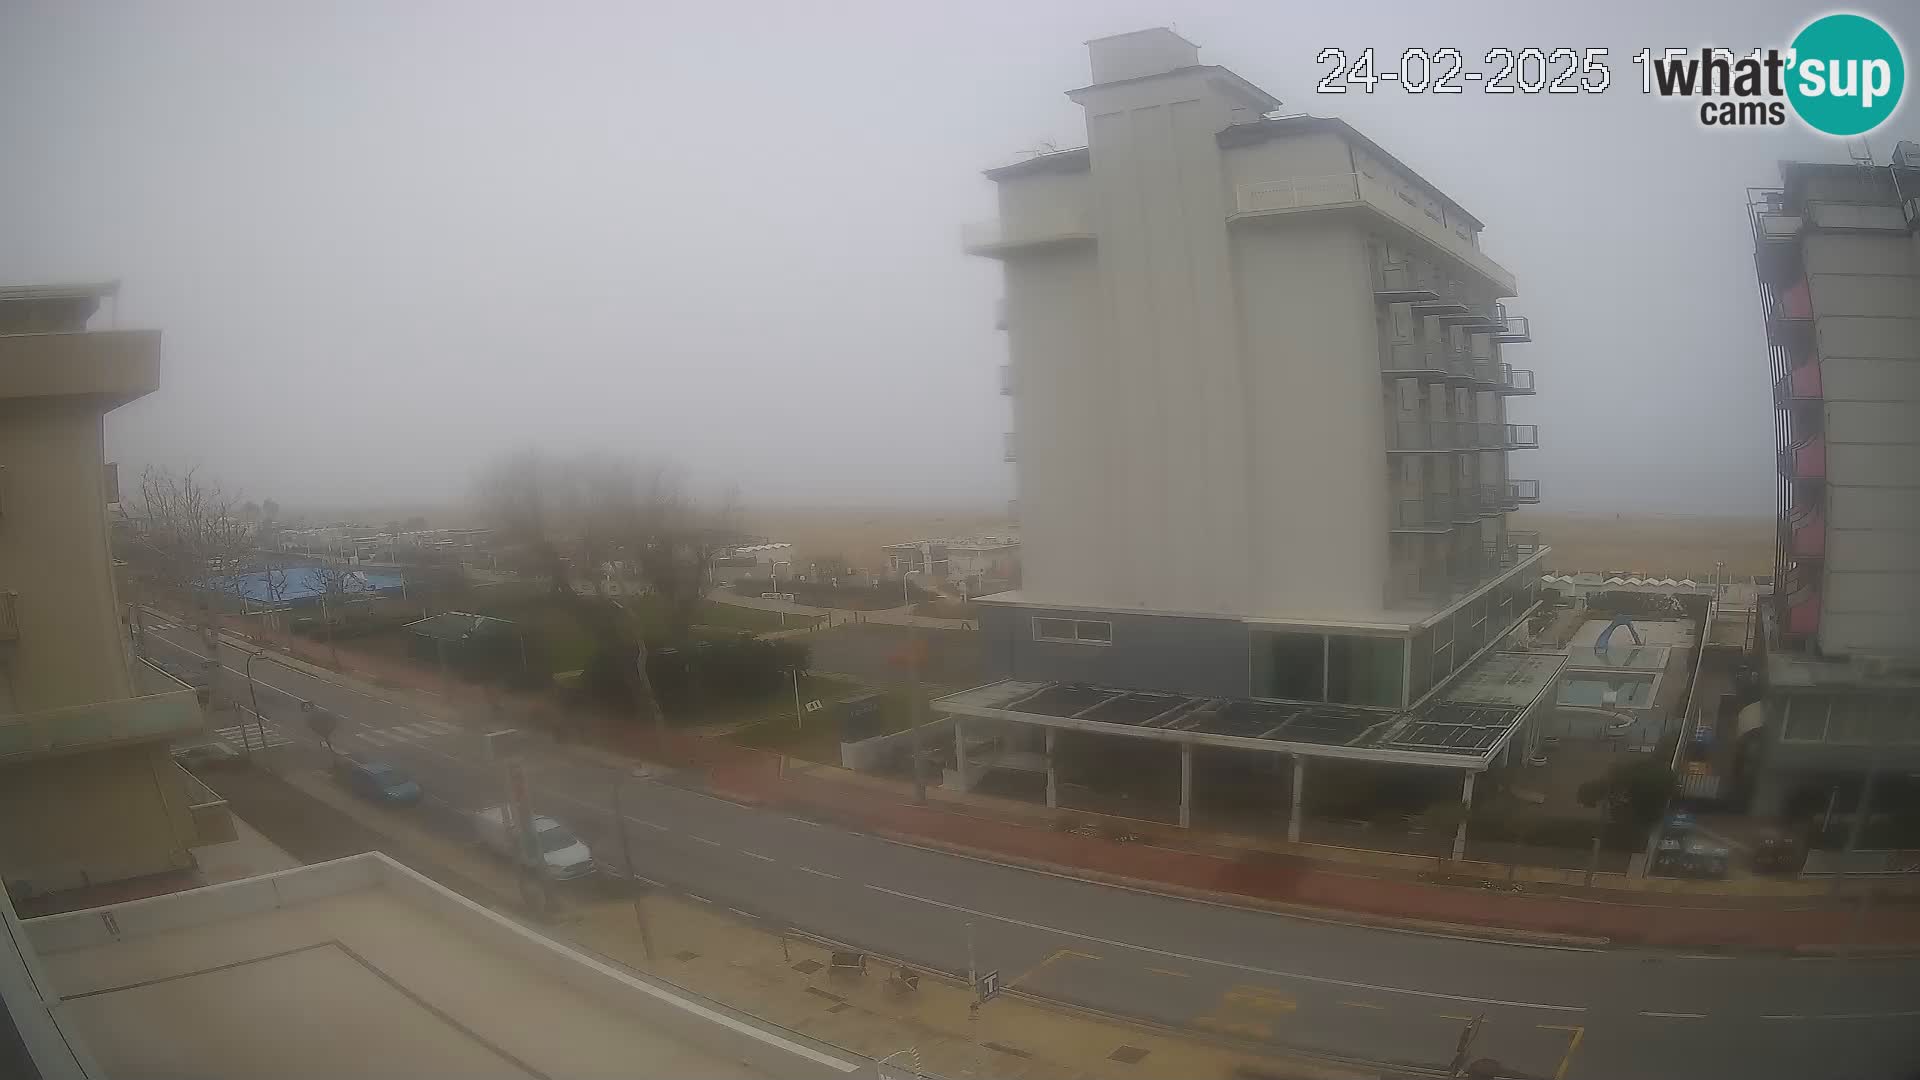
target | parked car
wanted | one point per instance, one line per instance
(207, 755)
(378, 781)
(562, 855)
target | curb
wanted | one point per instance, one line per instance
(1861, 952)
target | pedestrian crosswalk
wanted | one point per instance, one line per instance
(160, 626)
(402, 733)
(250, 734)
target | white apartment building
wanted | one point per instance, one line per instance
(1260, 402)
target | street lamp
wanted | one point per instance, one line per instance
(253, 694)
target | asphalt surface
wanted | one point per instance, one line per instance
(1360, 992)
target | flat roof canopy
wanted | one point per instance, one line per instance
(1461, 727)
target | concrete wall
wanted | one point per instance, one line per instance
(1865, 291)
(1173, 653)
(76, 819)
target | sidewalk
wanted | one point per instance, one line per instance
(747, 965)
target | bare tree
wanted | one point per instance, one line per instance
(185, 539)
(337, 585)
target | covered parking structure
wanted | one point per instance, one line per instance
(1464, 726)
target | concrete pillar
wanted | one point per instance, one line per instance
(1299, 785)
(960, 755)
(1053, 776)
(1186, 785)
(1860, 809)
(1466, 808)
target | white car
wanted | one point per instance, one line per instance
(562, 855)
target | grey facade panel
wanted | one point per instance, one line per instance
(1173, 653)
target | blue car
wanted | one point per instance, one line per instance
(379, 781)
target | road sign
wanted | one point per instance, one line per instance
(987, 986)
(815, 705)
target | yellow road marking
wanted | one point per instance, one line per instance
(1363, 1005)
(1057, 954)
(1175, 974)
(1265, 999)
(1573, 1043)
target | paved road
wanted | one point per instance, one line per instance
(1378, 994)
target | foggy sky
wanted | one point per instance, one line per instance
(386, 241)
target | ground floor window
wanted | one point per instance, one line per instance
(1077, 631)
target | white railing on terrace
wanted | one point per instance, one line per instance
(1339, 189)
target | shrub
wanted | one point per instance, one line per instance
(728, 669)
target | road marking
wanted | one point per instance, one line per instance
(1673, 1015)
(1252, 1028)
(1301, 976)
(819, 873)
(1781, 1016)
(697, 896)
(1704, 956)
(1865, 1016)
(1453, 1016)
(1363, 1005)
(1259, 998)
(649, 824)
(704, 840)
(744, 914)
(1297, 916)
(373, 737)
(1573, 1044)
(1170, 972)
(757, 855)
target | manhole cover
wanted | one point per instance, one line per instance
(807, 967)
(1128, 1055)
(685, 955)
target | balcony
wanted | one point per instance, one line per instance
(1801, 384)
(1420, 437)
(1805, 460)
(1513, 329)
(1412, 360)
(1007, 453)
(1522, 437)
(1006, 379)
(1402, 282)
(1522, 492)
(1514, 382)
(1356, 190)
(1803, 613)
(1431, 513)
(1492, 501)
(1000, 238)
(1776, 239)
(1789, 313)
(1466, 506)
(1806, 533)
(1514, 547)
(106, 723)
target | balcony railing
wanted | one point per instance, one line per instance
(137, 719)
(212, 822)
(1466, 506)
(1000, 236)
(1805, 460)
(1403, 282)
(1803, 383)
(1358, 189)
(1512, 548)
(1522, 437)
(1007, 454)
(1806, 533)
(1428, 513)
(1522, 491)
(1492, 499)
(1514, 381)
(1006, 378)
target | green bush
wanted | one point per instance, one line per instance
(723, 670)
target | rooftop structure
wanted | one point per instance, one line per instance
(362, 965)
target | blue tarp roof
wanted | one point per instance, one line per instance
(301, 583)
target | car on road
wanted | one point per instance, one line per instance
(377, 780)
(563, 856)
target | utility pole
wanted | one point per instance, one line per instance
(258, 720)
(799, 716)
(913, 717)
(633, 882)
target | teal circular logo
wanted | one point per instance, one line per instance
(1847, 75)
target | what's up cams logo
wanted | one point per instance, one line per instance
(1843, 75)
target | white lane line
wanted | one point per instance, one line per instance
(1294, 915)
(1321, 979)
(744, 914)
(1781, 1016)
(704, 840)
(757, 855)
(818, 873)
(1673, 1015)
(1703, 956)
(697, 896)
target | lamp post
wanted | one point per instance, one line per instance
(254, 694)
